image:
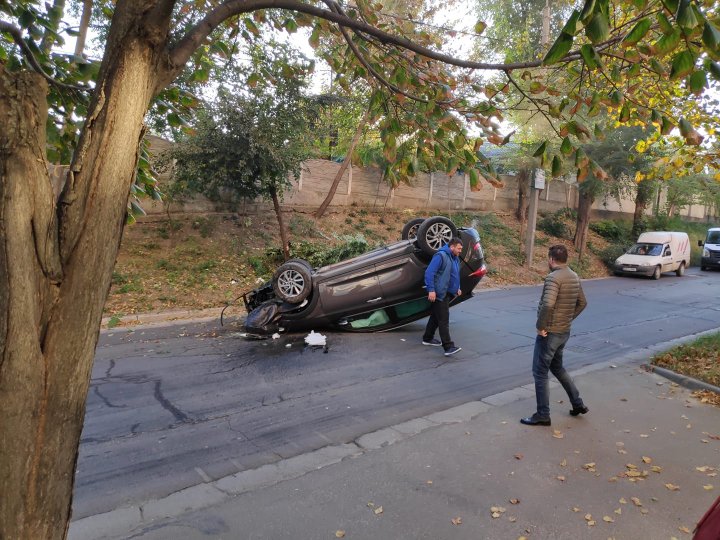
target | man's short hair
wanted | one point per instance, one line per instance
(454, 241)
(558, 253)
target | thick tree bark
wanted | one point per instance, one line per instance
(642, 199)
(523, 180)
(56, 267)
(583, 220)
(348, 158)
(281, 224)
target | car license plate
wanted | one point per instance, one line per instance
(629, 269)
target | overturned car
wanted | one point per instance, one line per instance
(376, 291)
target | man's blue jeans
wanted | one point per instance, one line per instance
(547, 357)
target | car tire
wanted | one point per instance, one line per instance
(657, 273)
(409, 231)
(292, 281)
(703, 268)
(680, 272)
(434, 233)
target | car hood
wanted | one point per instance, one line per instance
(640, 260)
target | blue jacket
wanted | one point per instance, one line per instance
(443, 273)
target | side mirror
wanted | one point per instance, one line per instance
(667, 253)
(701, 243)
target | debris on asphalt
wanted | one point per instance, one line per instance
(315, 339)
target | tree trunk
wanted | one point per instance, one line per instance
(56, 267)
(348, 158)
(642, 198)
(281, 224)
(583, 220)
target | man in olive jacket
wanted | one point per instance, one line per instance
(561, 302)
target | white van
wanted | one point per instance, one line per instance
(654, 253)
(711, 249)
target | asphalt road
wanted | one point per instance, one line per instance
(176, 406)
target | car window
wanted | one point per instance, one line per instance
(413, 307)
(713, 237)
(376, 318)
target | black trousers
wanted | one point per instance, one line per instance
(439, 320)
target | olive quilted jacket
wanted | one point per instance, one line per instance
(562, 300)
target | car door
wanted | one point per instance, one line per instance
(354, 291)
(667, 260)
(401, 275)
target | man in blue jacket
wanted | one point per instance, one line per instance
(442, 281)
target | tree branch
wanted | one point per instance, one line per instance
(28, 54)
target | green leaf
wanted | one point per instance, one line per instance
(581, 158)
(685, 16)
(714, 69)
(291, 26)
(540, 149)
(474, 178)
(665, 25)
(559, 49)
(556, 167)
(637, 33)
(567, 147)
(479, 27)
(698, 82)
(253, 80)
(250, 25)
(617, 98)
(573, 26)
(668, 42)
(599, 133)
(711, 36)
(590, 56)
(624, 114)
(587, 11)
(667, 126)
(26, 18)
(683, 63)
(598, 30)
(671, 5)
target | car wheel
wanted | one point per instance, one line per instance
(680, 272)
(656, 273)
(703, 268)
(434, 233)
(409, 231)
(292, 281)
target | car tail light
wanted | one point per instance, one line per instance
(480, 272)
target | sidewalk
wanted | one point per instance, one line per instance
(643, 464)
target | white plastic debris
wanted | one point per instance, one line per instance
(276, 336)
(315, 339)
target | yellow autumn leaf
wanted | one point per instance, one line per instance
(608, 519)
(558, 434)
(636, 501)
(708, 487)
(646, 459)
(339, 534)
(456, 520)
(672, 487)
(379, 510)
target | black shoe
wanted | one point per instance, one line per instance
(535, 420)
(579, 410)
(434, 342)
(452, 350)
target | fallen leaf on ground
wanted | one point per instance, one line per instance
(684, 529)
(456, 520)
(623, 501)
(631, 466)
(608, 519)
(563, 463)
(672, 487)
(339, 534)
(588, 517)
(575, 509)
(561, 478)
(591, 523)
(518, 456)
(644, 510)
(512, 519)
(646, 459)
(644, 436)
(379, 510)
(708, 487)
(589, 466)
(704, 468)
(429, 482)
(514, 501)
(655, 468)
(558, 434)
(618, 511)
(636, 501)
(371, 505)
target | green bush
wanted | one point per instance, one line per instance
(610, 253)
(554, 224)
(303, 227)
(613, 230)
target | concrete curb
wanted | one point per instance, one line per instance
(682, 380)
